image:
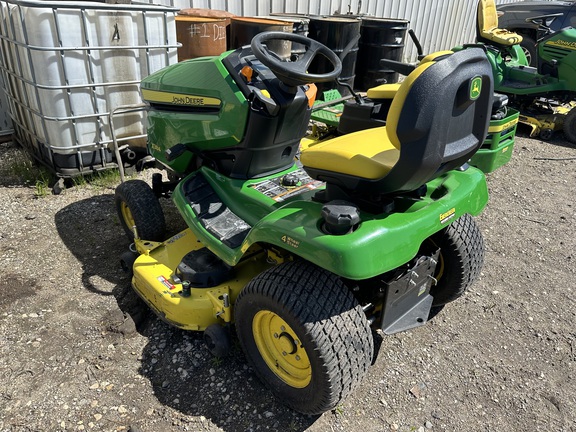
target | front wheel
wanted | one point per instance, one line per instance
(461, 259)
(138, 207)
(304, 334)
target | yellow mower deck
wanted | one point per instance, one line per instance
(154, 281)
(543, 125)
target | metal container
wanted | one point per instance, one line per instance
(67, 65)
(243, 29)
(200, 36)
(341, 36)
(211, 13)
(379, 38)
(300, 25)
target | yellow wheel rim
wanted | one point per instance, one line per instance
(281, 349)
(127, 215)
(440, 267)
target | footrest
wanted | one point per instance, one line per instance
(213, 214)
(329, 115)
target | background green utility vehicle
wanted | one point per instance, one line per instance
(544, 95)
(305, 254)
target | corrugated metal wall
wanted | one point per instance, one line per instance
(439, 24)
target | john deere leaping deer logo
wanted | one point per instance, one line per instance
(475, 88)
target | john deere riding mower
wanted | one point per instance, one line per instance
(305, 254)
(543, 95)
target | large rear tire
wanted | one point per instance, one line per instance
(569, 126)
(461, 259)
(137, 206)
(528, 45)
(305, 335)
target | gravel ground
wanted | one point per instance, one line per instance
(79, 352)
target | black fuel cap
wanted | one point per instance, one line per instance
(290, 180)
(340, 217)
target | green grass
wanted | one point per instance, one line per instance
(216, 361)
(22, 168)
(79, 181)
(100, 180)
(42, 187)
(17, 167)
(105, 179)
(338, 410)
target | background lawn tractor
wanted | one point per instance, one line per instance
(543, 95)
(305, 254)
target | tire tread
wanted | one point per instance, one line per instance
(332, 318)
(461, 244)
(145, 209)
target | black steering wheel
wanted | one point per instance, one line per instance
(294, 73)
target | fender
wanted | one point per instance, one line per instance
(381, 242)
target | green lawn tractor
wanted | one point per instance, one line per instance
(543, 95)
(305, 254)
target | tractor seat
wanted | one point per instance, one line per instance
(372, 159)
(488, 31)
(438, 119)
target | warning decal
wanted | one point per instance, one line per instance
(273, 188)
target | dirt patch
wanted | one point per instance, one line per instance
(14, 288)
(78, 351)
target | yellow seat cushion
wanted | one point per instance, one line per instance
(488, 25)
(367, 154)
(503, 37)
(384, 91)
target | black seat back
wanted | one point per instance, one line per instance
(439, 118)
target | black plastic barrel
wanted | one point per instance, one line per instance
(379, 38)
(336, 33)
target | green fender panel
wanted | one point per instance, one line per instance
(381, 242)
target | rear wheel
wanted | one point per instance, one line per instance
(528, 45)
(305, 335)
(569, 127)
(137, 206)
(461, 258)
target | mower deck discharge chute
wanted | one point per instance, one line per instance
(305, 254)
